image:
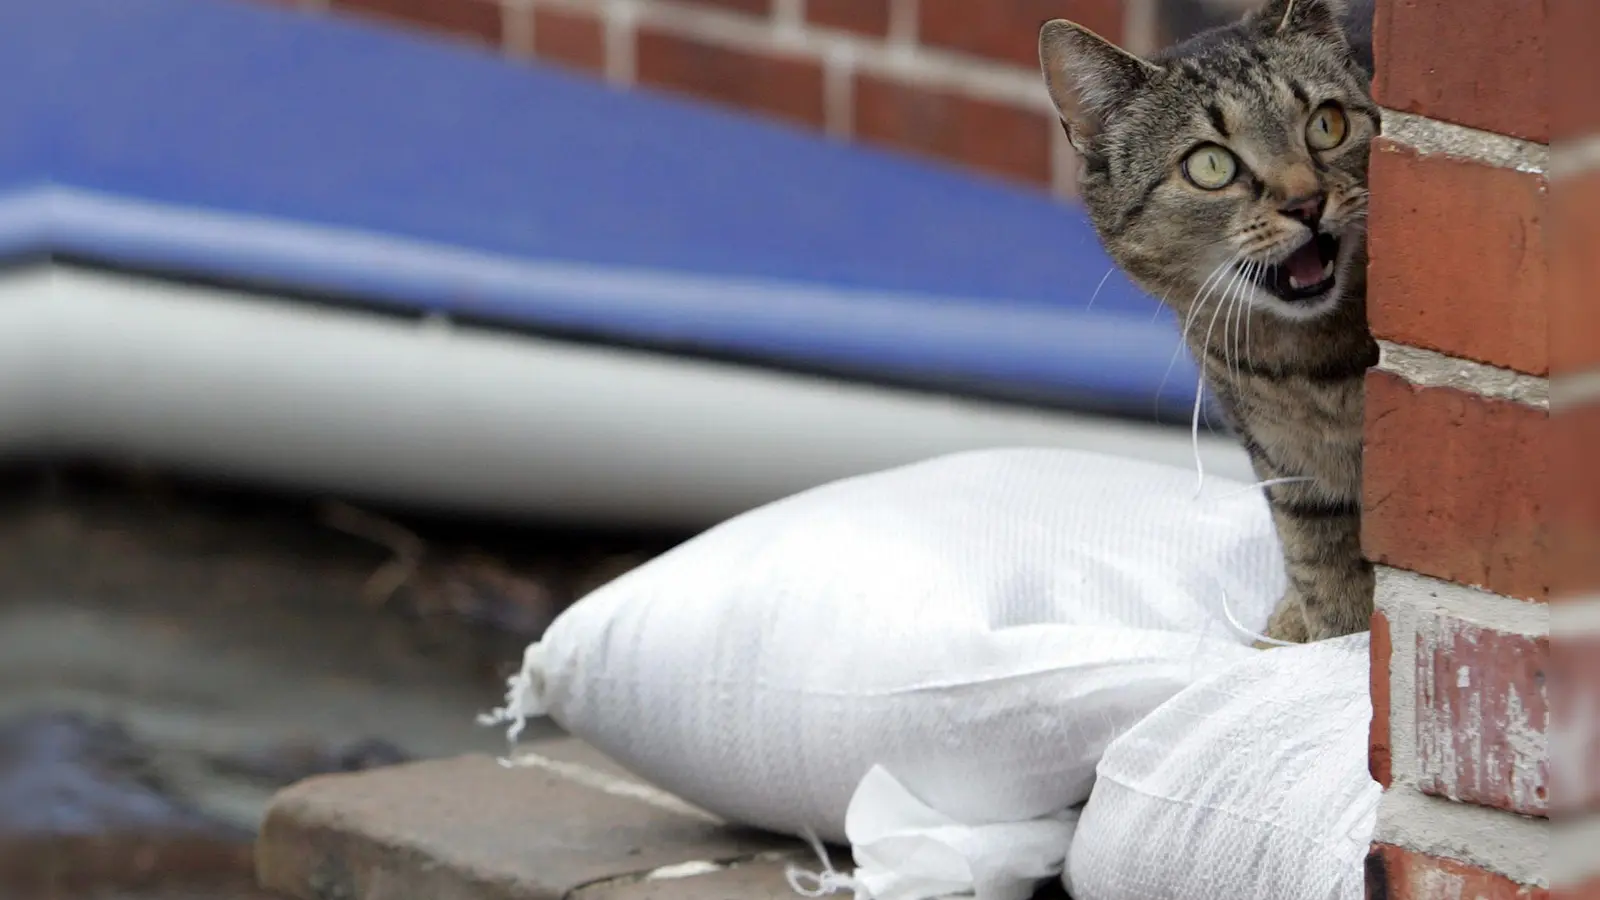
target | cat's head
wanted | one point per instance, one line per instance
(1231, 167)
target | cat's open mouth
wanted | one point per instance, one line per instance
(1305, 274)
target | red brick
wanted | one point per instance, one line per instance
(1482, 715)
(1457, 258)
(1454, 486)
(1394, 873)
(869, 17)
(751, 7)
(1491, 75)
(783, 86)
(475, 19)
(1575, 272)
(570, 38)
(1574, 33)
(1575, 500)
(1009, 29)
(1004, 140)
(1379, 756)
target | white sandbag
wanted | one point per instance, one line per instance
(1251, 785)
(982, 625)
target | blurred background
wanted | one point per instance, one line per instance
(344, 342)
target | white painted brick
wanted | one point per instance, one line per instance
(1482, 713)
(1407, 599)
(1512, 845)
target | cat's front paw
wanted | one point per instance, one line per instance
(1288, 622)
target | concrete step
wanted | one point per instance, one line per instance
(562, 823)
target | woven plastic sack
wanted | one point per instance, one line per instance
(1251, 785)
(981, 625)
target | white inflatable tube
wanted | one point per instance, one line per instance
(337, 401)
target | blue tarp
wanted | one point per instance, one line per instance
(250, 144)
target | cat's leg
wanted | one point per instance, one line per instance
(1288, 622)
(1342, 603)
(1327, 573)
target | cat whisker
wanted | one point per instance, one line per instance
(1241, 362)
(1211, 328)
(1207, 288)
(1250, 314)
(1161, 307)
(1097, 288)
(1227, 321)
(1230, 325)
(1248, 359)
(1199, 301)
(1242, 308)
(1199, 392)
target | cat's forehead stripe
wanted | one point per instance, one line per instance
(1218, 120)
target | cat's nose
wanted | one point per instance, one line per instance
(1307, 209)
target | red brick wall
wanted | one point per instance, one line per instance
(1483, 508)
(952, 80)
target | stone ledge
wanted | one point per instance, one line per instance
(471, 829)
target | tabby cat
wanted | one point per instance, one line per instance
(1227, 176)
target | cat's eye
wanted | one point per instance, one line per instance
(1328, 127)
(1210, 167)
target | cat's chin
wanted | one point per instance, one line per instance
(1300, 309)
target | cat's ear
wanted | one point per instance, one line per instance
(1088, 77)
(1314, 18)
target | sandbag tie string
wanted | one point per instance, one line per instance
(525, 695)
(825, 883)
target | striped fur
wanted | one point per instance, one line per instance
(1286, 371)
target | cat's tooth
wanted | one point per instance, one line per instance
(1327, 270)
